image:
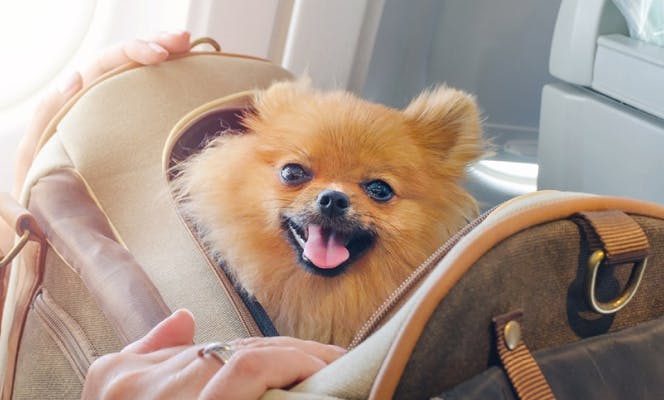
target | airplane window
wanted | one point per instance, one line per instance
(43, 40)
(37, 39)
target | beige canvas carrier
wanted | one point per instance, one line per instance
(102, 255)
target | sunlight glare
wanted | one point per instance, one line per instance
(37, 38)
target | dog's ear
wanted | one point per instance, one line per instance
(446, 121)
(271, 101)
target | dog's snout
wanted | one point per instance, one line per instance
(333, 203)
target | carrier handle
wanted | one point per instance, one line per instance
(206, 40)
(19, 221)
(23, 225)
(13, 252)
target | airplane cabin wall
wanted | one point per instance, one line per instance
(498, 51)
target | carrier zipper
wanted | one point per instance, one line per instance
(67, 334)
(399, 294)
(243, 313)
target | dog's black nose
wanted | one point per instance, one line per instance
(332, 203)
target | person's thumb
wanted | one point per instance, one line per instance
(176, 330)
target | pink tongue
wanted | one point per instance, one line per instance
(324, 251)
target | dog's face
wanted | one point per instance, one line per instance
(328, 202)
(344, 181)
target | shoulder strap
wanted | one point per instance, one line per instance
(15, 221)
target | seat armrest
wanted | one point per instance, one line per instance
(630, 70)
(574, 44)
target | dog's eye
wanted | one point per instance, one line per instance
(294, 174)
(379, 190)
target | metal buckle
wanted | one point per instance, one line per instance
(16, 249)
(619, 302)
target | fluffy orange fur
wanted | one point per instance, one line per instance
(233, 191)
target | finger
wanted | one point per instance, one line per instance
(176, 330)
(135, 50)
(157, 374)
(325, 352)
(178, 357)
(189, 371)
(145, 52)
(47, 108)
(151, 51)
(173, 42)
(249, 373)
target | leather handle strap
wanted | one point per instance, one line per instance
(522, 369)
(615, 232)
(15, 221)
(18, 218)
(77, 228)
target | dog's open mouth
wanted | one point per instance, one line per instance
(325, 251)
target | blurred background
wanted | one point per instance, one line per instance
(384, 50)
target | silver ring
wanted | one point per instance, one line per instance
(222, 351)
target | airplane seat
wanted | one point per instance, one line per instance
(602, 125)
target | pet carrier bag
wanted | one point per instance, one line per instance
(552, 294)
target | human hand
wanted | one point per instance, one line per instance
(164, 364)
(150, 51)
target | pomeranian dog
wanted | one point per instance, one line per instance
(328, 202)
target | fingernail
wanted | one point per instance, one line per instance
(157, 48)
(182, 311)
(68, 84)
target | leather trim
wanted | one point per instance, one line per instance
(178, 144)
(508, 220)
(77, 228)
(18, 217)
(27, 273)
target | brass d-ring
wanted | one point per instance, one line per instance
(16, 249)
(621, 301)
